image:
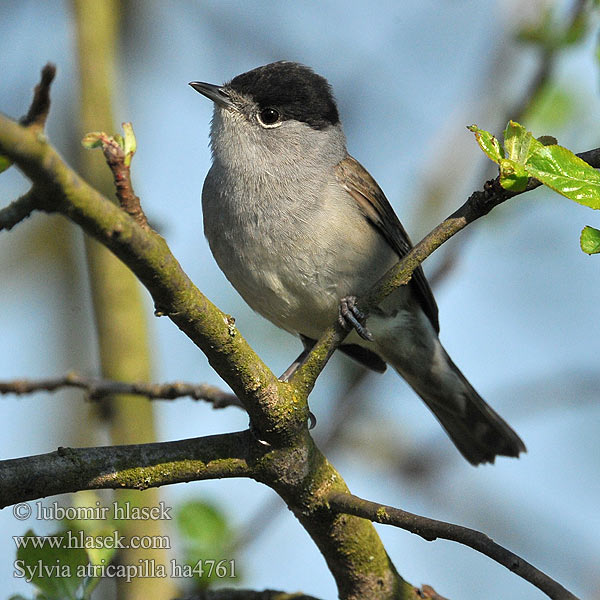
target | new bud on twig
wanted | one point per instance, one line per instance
(118, 151)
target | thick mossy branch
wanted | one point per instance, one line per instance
(288, 462)
(291, 465)
(276, 409)
(302, 476)
(138, 466)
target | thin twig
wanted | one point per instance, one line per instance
(40, 105)
(536, 85)
(97, 388)
(18, 210)
(479, 204)
(115, 157)
(431, 529)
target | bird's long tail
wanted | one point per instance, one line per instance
(479, 432)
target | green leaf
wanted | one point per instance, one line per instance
(488, 143)
(130, 143)
(519, 143)
(590, 240)
(513, 176)
(5, 163)
(54, 571)
(206, 536)
(93, 139)
(565, 173)
(554, 166)
(102, 527)
(203, 525)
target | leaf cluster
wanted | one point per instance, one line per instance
(523, 157)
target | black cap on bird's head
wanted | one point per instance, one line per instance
(292, 89)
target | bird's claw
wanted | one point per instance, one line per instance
(351, 317)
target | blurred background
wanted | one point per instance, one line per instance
(518, 299)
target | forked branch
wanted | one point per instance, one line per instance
(431, 529)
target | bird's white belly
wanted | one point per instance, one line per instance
(294, 264)
(294, 293)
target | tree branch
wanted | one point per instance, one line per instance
(118, 162)
(291, 464)
(40, 105)
(18, 210)
(98, 388)
(236, 594)
(480, 203)
(174, 294)
(425, 593)
(519, 109)
(35, 118)
(135, 466)
(431, 529)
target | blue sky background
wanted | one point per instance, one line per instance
(519, 312)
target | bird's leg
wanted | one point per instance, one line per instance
(308, 345)
(351, 317)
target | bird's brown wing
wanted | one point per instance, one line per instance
(378, 211)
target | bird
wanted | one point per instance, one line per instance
(301, 229)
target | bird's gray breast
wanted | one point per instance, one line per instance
(291, 247)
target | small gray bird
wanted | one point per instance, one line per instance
(301, 229)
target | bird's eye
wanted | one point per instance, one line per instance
(269, 117)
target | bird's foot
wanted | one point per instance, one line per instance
(351, 317)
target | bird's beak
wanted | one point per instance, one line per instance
(216, 93)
